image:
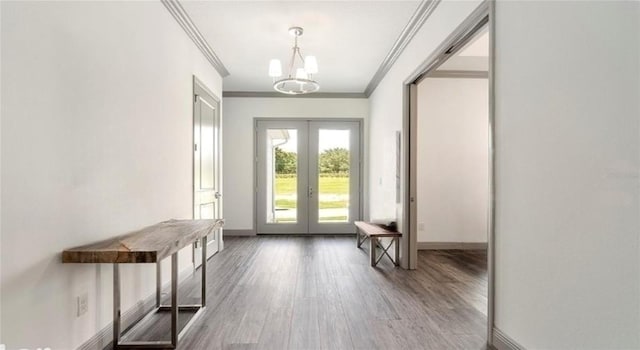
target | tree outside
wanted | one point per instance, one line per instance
(285, 162)
(334, 161)
(333, 187)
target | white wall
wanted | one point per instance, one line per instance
(386, 106)
(96, 141)
(567, 166)
(567, 172)
(238, 143)
(453, 160)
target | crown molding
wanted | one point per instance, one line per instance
(181, 16)
(422, 13)
(272, 94)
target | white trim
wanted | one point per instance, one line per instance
(238, 233)
(491, 234)
(468, 74)
(422, 13)
(501, 341)
(271, 94)
(452, 245)
(183, 19)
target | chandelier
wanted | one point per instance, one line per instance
(300, 76)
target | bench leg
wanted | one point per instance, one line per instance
(397, 257)
(358, 243)
(372, 251)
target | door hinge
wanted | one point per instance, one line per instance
(195, 98)
(195, 147)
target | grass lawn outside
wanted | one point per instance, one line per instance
(335, 188)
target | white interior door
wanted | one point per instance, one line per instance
(307, 176)
(206, 165)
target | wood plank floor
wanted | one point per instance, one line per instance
(319, 292)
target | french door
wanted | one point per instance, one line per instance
(307, 176)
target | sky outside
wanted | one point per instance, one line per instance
(328, 139)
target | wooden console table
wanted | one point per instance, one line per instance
(150, 245)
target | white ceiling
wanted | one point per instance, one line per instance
(349, 38)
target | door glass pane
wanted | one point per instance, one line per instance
(282, 176)
(333, 170)
(207, 154)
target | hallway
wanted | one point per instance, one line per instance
(293, 292)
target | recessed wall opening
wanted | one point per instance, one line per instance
(450, 171)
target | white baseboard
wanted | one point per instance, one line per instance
(501, 341)
(105, 336)
(249, 232)
(452, 245)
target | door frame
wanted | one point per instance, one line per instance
(483, 15)
(360, 122)
(198, 85)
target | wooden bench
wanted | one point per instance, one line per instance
(373, 233)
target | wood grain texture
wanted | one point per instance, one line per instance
(293, 292)
(373, 230)
(148, 245)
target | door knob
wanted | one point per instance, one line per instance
(218, 195)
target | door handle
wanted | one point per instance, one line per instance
(218, 195)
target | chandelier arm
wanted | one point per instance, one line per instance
(291, 63)
(301, 58)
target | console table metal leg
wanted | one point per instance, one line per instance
(174, 299)
(174, 308)
(116, 304)
(204, 272)
(158, 284)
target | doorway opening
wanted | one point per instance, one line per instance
(307, 176)
(449, 183)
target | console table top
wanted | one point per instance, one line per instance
(148, 245)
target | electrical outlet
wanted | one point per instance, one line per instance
(421, 226)
(83, 304)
